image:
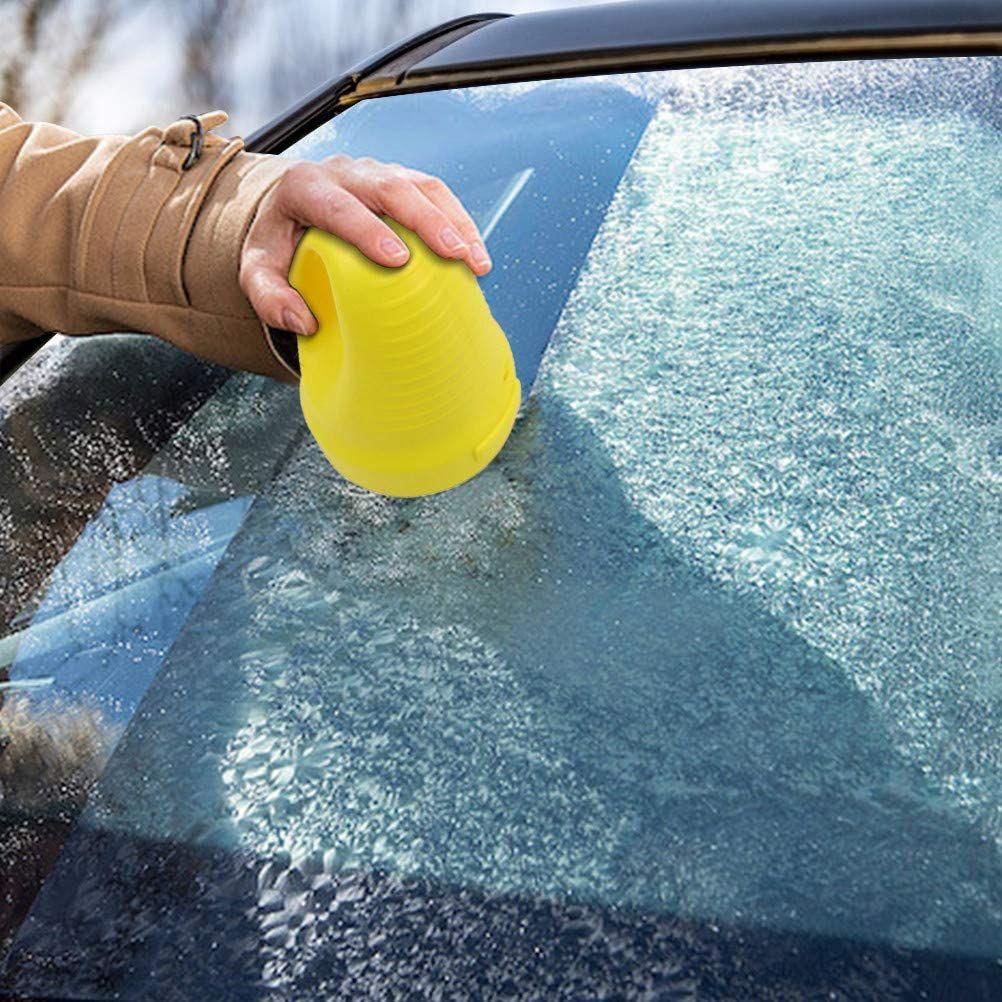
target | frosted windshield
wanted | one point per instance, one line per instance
(714, 640)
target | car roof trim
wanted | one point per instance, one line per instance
(322, 103)
(864, 46)
(621, 29)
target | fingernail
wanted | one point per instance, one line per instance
(291, 321)
(480, 255)
(393, 248)
(451, 239)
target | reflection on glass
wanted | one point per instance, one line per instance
(510, 190)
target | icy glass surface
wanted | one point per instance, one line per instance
(715, 637)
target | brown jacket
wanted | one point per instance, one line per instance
(110, 233)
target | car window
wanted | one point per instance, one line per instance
(702, 671)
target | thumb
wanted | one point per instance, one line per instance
(266, 285)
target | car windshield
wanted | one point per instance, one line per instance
(696, 688)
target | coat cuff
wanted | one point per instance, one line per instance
(172, 226)
(212, 260)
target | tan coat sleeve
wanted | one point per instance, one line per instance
(110, 234)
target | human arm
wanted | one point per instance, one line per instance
(133, 233)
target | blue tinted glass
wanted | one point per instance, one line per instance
(536, 170)
(702, 671)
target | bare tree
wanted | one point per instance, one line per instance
(81, 60)
(209, 29)
(47, 47)
(329, 38)
(26, 19)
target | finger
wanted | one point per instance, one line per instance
(396, 195)
(264, 280)
(443, 196)
(320, 201)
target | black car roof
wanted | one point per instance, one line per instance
(610, 37)
(623, 28)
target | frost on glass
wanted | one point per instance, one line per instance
(715, 636)
(806, 338)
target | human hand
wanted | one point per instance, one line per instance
(345, 197)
